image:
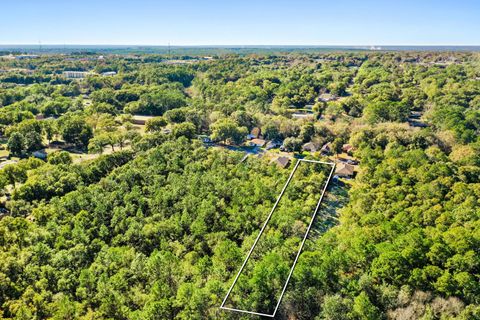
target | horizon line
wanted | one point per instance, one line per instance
(240, 45)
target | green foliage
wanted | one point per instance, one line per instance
(292, 144)
(186, 129)
(158, 230)
(228, 131)
(16, 143)
(74, 129)
(59, 157)
(157, 101)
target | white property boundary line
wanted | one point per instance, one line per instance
(261, 232)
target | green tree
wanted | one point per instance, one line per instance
(16, 144)
(155, 124)
(228, 131)
(364, 309)
(186, 129)
(75, 130)
(292, 144)
(60, 157)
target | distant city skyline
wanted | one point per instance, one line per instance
(247, 22)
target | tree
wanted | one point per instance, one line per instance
(336, 308)
(292, 144)
(16, 144)
(33, 141)
(364, 309)
(307, 131)
(228, 131)
(50, 129)
(176, 115)
(98, 143)
(155, 124)
(75, 130)
(60, 157)
(186, 129)
(270, 131)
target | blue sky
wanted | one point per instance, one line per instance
(247, 22)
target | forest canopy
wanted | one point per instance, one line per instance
(136, 190)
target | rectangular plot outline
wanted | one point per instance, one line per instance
(222, 306)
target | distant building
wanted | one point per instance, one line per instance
(75, 74)
(26, 56)
(298, 115)
(140, 120)
(40, 154)
(414, 120)
(310, 147)
(326, 148)
(282, 162)
(255, 133)
(109, 73)
(326, 97)
(273, 144)
(257, 142)
(205, 139)
(344, 170)
(348, 148)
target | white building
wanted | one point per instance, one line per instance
(75, 74)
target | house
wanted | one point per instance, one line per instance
(26, 56)
(417, 124)
(348, 148)
(344, 170)
(40, 154)
(140, 120)
(282, 162)
(273, 144)
(414, 120)
(205, 139)
(256, 143)
(109, 73)
(326, 97)
(326, 148)
(298, 115)
(310, 147)
(415, 115)
(348, 160)
(255, 133)
(75, 74)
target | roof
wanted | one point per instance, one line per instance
(258, 142)
(347, 147)
(298, 115)
(141, 117)
(326, 147)
(282, 161)
(273, 144)
(256, 132)
(310, 146)
(344, 170)
(326, 97)
(41, 154)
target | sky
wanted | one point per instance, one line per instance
(240, 22)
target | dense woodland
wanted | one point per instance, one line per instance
(122, 221)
